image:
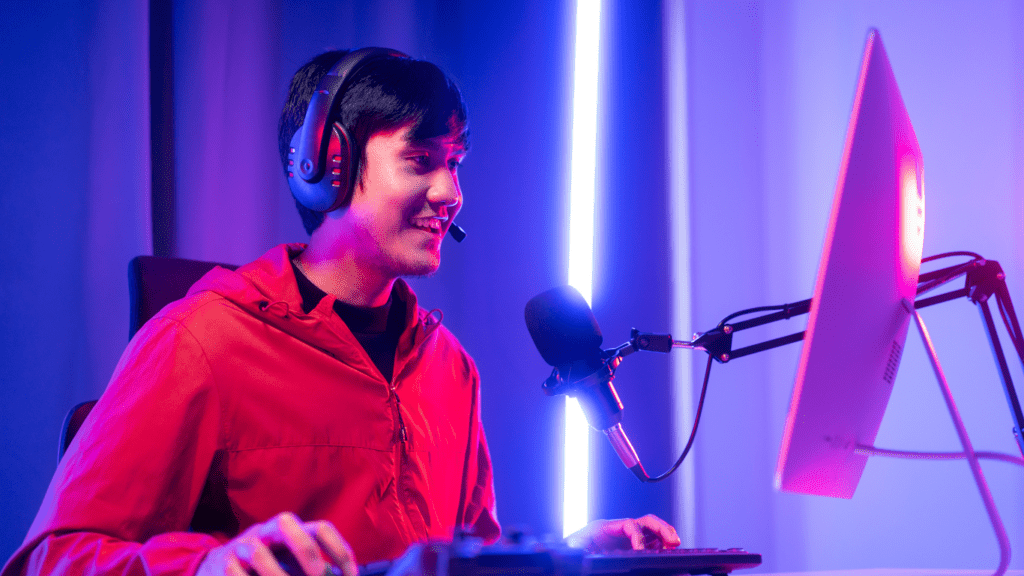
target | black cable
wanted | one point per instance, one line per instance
(693, 432)
(951, 254)
(1015, 336)
(975, 257)
(752, 310)
(954, 271)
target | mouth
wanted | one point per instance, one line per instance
(432, 224)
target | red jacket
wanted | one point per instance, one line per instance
(232, 405)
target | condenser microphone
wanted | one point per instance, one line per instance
(565, 332)
(567, 336)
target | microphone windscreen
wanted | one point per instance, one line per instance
(563, 326)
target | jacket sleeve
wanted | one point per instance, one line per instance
(123, 496)
(481, 510)
(480, 516)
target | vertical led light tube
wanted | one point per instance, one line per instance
(575, 493)
(677, 145)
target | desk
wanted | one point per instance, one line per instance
(889, 572)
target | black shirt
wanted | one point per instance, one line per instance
(377, 328)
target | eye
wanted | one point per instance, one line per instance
(421, 160)
(454, 163)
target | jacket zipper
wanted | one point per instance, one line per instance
(400, 446)
(402, 434)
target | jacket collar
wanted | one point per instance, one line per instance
(266, 288)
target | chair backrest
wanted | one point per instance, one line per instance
(72, 422)
(153, 282)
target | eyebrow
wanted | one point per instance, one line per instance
(426, 143)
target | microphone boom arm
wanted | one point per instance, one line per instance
(984, 279)
(603, 408)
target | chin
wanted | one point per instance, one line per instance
(420, 268)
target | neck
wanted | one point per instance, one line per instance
(338, 273)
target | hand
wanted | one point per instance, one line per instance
(647, 533)
(314, 546)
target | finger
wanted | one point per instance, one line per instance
(660, 529)
(233, 567)
(263, 562)
(669, 535)
(293, 544)
(632, 530)
(243, 552)
(334, 545)
(657, 534)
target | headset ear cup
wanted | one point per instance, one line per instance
(340, 165)
(331, 190)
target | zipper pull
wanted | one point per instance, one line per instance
(402, 434)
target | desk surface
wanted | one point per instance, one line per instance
(891, 572)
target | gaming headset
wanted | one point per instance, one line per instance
(321, 169)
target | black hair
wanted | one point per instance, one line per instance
(385, 93)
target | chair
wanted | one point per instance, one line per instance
(72, 422)
(153, 282)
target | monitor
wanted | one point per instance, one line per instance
(863, 293)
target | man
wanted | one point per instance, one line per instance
(303, 402)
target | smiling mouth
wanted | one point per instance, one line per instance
(432, 225)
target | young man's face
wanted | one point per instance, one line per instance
(404, 202)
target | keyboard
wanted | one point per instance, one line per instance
(669, 562)
(494, 561)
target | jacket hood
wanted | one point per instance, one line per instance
(266, 288)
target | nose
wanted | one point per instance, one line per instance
(444, 190)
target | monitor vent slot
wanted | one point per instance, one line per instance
(894, 362)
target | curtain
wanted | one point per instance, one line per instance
(74, 204)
